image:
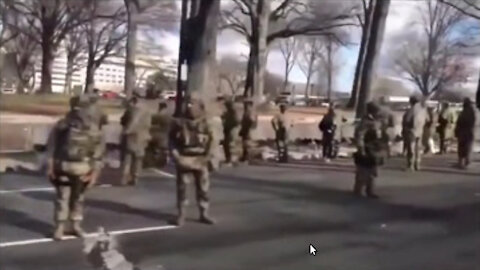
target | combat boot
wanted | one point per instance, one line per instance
(205, 218)
(59, 231)
(180, 220)
(77, 229)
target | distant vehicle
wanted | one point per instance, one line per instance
(8, 90)
(110, 95)
(169, 95)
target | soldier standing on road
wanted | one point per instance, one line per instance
(192, 140)
(465, 133)
(76, 148)
(413, 124)
(369, 154)
(279, 124)
(429, 130)
(231, 127)
(124, 122)
(95, 109)
(137, 136)
(328, 127)
(387, 119)
(446, 120)
(157, 150)
(249, 123)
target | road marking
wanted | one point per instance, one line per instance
(90, 235)
(39, 189)
(160, 172)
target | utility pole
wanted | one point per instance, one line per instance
(329, 69)
(182, 60)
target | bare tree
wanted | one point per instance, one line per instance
(364, 19)
(470, 8)
(261, 24)
(433, 61)
(49, 22)
(25, 51)
(75, 46)
(5, 15)
(328, 63)
(374, 44)
(140, 12)
(104, 35)
(232, 73)
(308, 59)
(289, 49)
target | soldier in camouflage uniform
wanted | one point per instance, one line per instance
(446, 124)
(124, 122)
(231, 128)
(387, 119)
(191, 140)
(137, 136)
(279, 125)
(413, 124)
(466, 133)
(248, 123)
(75, 149)
(369, 154)
(157, 150)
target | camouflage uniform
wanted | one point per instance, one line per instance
(137, 136)
(413, 123)
(231, 128)
(157, 150)
(328, 127)
(369, 154)
(69, 175)
(465, 132)
(124, 122)
(191, 139)
(279, 125)
(446, 121)
(95, 110)
(387, 120)
(249, 122)
(429, 130)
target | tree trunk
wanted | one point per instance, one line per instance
(248, 92)
(260, 57)
(47, 64)
(306, 88)
(131, 48)
(90, 76)
(203, 29)
(68, 76)
(352, 103)
(285, 81)
(478, 93)
(376, 32)
(329, 70)
(20, 86)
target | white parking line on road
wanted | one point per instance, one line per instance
(38, 189)
(119, 232)
(160, 172)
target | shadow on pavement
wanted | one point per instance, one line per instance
(111, 206)
(24, 221)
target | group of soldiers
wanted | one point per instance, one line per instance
(419, 123)
(76, 146)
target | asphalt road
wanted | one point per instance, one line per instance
(267, 216)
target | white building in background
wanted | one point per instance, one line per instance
(110, 75)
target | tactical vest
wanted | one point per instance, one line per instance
(194, 138)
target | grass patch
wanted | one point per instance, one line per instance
(51, 105)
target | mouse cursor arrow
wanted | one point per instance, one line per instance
(313, 250)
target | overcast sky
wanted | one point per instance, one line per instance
(399, 22)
